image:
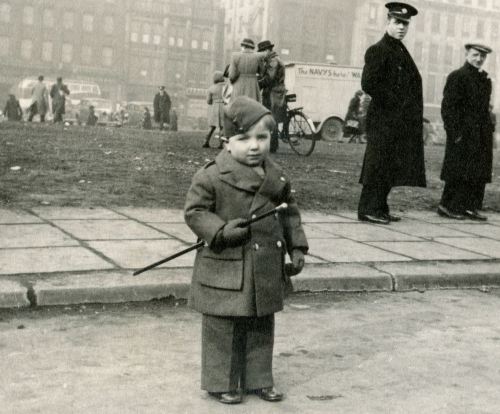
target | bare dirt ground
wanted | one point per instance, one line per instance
(78, 166)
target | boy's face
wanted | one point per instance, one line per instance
(252, 147)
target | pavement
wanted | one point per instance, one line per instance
(65, 255)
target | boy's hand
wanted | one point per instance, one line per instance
(233, 235)
(297, 261)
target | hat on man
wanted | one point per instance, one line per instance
(401, 11)
(162, 88)
(479, 47)
(248, 43)
(264, 45)
(242, 114)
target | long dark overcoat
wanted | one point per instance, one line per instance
(469, 129)
(395, 149)
(247, 280)
(161, 106)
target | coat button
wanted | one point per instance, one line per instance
(256, 246)
(283, 179)
(254, 216)
(279, 244)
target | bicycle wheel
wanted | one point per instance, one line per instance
(301, 136)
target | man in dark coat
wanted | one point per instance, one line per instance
(273, 87)
(58, 94)
(395, 150)
(467, 165)
(13, 111)
(162, 104)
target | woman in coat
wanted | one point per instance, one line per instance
(245, 69)
(215, 108)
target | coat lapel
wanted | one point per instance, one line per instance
(236, 174)
(271, 188)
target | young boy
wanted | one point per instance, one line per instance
(239, 278)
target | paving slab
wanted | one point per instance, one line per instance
(33, 235)
(135, 254)
(315, 217)
(482, 246)
(108, 229)
(76, 213)
(315, 232)
(153, 215)
(17, 217)
(484, 230)
(176, 230)
(342, 278)
(363, 232)
(343, 250)
(427, 250)
(49, 259)
(13, 295)
(426, 230)
(429, 216)
(439, 275)
(114, 287)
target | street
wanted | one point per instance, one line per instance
(432, 352)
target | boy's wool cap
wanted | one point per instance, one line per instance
(242, 114)
(401, 11)
(479, 47)
(248, 43)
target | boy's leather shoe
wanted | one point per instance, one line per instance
(270, 394)
(373, 219)
(474, 215)
(231, 397)
(444, 212)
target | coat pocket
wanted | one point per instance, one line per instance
(222, 270)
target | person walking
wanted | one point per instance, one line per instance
(394, 153)
(239, 277)
(39, 100)
(467, 165)
(161, 106)
(13, 110)
(146, 119)
(273, 87)
(245, 69)
(215, 108)
(58, 93)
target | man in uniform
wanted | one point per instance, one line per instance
(161, 106)
(395, 150)
(273, 87)
(467, 165)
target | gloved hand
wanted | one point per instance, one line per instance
(232, 235)
(298, 261)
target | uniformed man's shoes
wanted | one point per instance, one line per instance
(231, 397)
(269, 394)
(474, 215)
(392, 218)
(444, 212)
(372, 218)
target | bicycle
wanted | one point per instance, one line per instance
(298, 130)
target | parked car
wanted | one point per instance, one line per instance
(103, 108)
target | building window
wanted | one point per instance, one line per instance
(146, 33)
(88, 22)
(436, 22)
(207, 38)
(107, 56)
(109, 25)
(418, 51)
(86, 54)
(433, 53)
(494, 30)
(26, 49)
(48, 18)
(67, 53)
(134, 32)
(28, 15)
(5, 13)
(373, 13)
(448, 55)
(194, 44)
(431, 88)
(480, 29)
(47, 50)
(420, 21)
(450, 26)
(158, 30)
(177, 34)
(4, 46)
(68, 20)
(466, 26)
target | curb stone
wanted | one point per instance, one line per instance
(13, 295)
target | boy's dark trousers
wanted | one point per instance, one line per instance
(459, 196)
(237, 352)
